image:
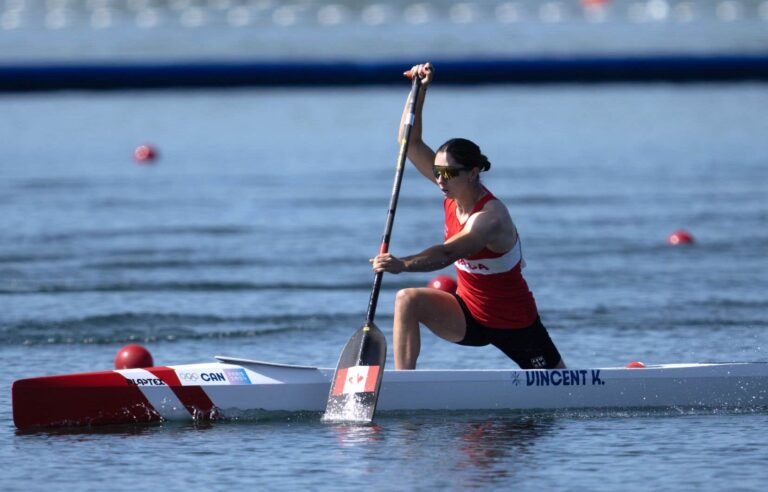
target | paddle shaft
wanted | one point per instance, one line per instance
(395, 195)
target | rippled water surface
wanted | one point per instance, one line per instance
(250, 237)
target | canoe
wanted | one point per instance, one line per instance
(239, 388)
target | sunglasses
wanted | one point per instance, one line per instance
(446, 172)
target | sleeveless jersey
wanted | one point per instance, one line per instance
(492, 284)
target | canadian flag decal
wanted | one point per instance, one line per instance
(356, 379)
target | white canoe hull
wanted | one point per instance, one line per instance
(708, 385)
(238, 387)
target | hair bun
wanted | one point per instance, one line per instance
(485, 164)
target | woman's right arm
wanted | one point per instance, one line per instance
(418, 152)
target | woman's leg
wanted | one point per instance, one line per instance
(437, 310)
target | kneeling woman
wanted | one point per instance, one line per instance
(493, 304)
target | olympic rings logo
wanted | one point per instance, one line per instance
(188, 376)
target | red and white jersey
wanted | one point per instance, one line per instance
(492, 284)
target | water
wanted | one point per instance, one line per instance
(250, 237)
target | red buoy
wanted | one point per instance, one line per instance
(145, 154)
(133, 356)
(635, 365)
(444, 283)
(680, 237)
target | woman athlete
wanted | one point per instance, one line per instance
(492, 304)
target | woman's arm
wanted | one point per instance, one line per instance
(419, 153)
(480, 229)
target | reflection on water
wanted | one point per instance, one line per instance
(348, 435)
(142, 429)
(482, 449)
(492, 447)
(121, 430)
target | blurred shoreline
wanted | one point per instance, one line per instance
(120, 31)
(150, 44)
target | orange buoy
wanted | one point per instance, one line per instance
(635, 365)
(680, 237)
(133, 356)
(444, 283)
(145, 154)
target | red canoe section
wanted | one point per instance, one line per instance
(194, 398)
(79, 399)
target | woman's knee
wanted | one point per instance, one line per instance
(407, 300)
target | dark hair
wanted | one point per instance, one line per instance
(465, 153)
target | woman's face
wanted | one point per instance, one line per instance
(452, 178)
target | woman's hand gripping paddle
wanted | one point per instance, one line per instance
(355, 387)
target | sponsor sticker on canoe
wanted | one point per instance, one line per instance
(191, 377)
(237, 376)
(140, 377)
(356, 379)
(145, 381)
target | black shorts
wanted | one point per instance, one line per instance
(530, 347)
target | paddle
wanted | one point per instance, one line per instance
(355, 387)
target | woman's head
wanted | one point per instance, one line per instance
(465, 153)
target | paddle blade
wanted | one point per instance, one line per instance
(355, 386)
